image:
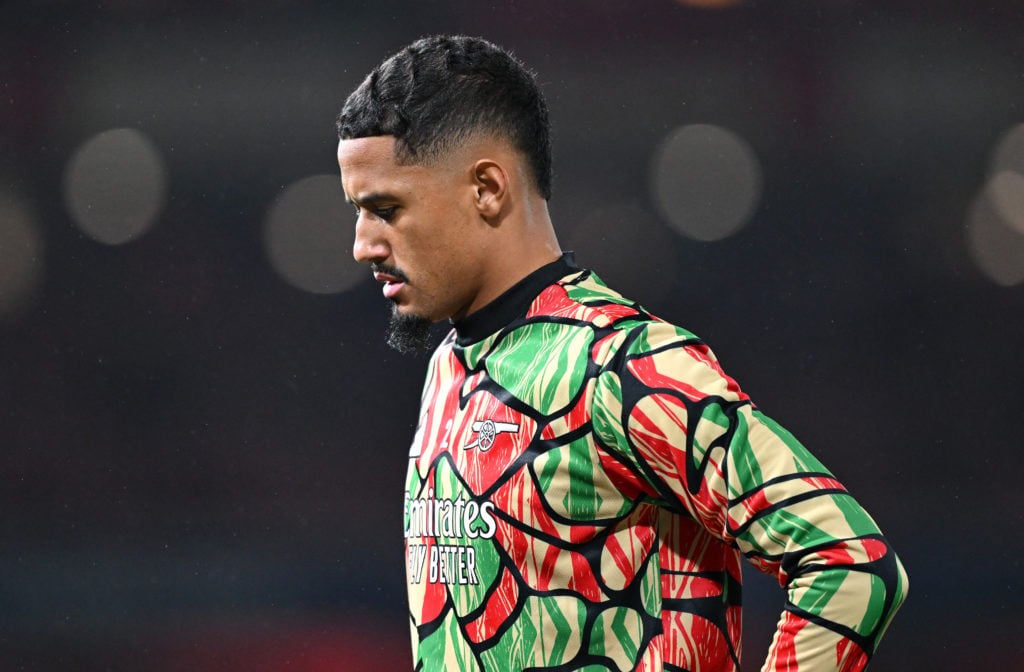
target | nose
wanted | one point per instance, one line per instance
(370, 245)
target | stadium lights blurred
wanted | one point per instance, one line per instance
(308, 236)
(1007, 181)
(21, 256)
(995, 226)
(1007, 192)
(115, 186)
(706, 181)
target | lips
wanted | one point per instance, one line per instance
(392, 288)
(392, 279)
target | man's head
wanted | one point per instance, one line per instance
(445, 153)
(437, 92)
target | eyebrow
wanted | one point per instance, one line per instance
(370, 199)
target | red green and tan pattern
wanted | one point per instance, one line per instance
(582, 486)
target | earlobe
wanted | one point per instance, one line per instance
(491, 183)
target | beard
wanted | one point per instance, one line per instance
(409, 334)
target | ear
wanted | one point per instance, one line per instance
(491, 183)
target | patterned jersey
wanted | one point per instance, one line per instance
(583, 482)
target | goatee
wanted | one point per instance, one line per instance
(409, 334)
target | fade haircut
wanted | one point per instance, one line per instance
(436, 93)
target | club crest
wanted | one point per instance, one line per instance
(487, 430)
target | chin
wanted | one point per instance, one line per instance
(404, 311)
(408, 332)
(408, 312)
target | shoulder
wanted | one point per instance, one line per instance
(584, 298)
(635, 345)
(634, 325)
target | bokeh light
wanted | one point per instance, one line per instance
(995, 224)
(706, 181)
(996, 248)
(21, 257)
(1006, 190)
(308, 236)
(115, 186)
(1006, 177)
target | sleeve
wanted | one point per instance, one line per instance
(706, 451)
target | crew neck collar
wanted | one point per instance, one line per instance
(513, 303)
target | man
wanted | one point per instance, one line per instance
(584, 477)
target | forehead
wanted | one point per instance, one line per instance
(369, 165)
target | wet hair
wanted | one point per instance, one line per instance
(439, 91)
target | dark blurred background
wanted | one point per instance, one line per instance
(203, 438)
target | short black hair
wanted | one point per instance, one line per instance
(438, 91)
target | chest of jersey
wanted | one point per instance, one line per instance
(522, 529)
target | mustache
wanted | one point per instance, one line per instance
(389, 270)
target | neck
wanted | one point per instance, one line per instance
(528, 242)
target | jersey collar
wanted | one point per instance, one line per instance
(513, 303)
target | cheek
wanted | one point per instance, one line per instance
(428, 260)
(445, 241)
(439, 245)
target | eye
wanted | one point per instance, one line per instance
(385, 214)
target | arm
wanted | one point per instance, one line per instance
(704, 448)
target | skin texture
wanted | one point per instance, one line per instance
(459, 231)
